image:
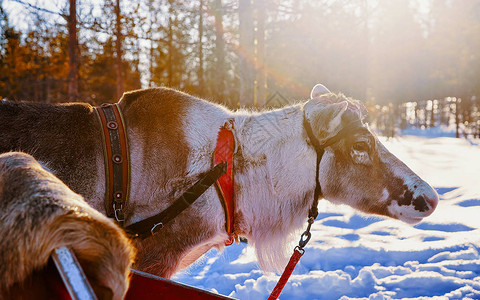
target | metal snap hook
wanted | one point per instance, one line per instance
(119, 216)
(154, 228)
(304, 239)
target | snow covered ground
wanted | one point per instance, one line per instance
(353, 256)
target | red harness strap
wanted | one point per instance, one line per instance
(297, 254)
(225, 184)
(117, 162)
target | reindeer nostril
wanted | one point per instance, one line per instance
(425, 198)
(420, 204)
(408, 196)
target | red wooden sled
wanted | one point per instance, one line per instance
(148, 286)
(142, 285)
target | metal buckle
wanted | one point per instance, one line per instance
(301, 250)
(306, 235)
(153, 230)
(119, 216)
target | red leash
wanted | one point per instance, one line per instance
(297, 254)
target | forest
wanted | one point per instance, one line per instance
(250, 53)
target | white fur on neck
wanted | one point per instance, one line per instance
(274, 174)
(276, 184)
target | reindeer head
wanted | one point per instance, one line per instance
(357, 169)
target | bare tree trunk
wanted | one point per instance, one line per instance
(476, 119)
(170, 45)
(432, 115)
(246, 53)
(367, 55)
(48, 83)
(220, 88)
(415, 114)
(72, 53)
(153, 20)
(170, 53)
(150, 81)
(261, 55)
(457, 118)
(118, 50)
(201, 83)
(440, 112)
(425, 116)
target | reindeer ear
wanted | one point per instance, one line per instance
(325, 118)
(319, 90)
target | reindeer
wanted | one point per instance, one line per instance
(171, 137)
(38, 214)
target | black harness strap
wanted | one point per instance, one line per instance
(320, 149)
(151, 225)
(313, 212)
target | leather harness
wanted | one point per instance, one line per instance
(117, 160)
(320, 150)
(224, 152)
(117, 177)
(221, 174)
(117, 174)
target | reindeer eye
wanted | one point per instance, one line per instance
(361, 146)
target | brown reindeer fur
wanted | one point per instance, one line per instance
(157, 114)
(66, 138)
(153, 120)
(38, 213)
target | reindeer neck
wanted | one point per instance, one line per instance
(275, 174)
(258, 132)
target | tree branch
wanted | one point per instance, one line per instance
(40, 8)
